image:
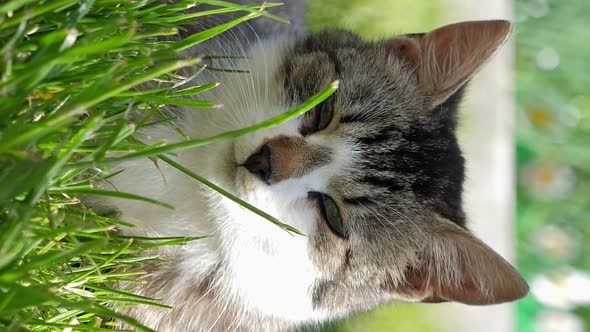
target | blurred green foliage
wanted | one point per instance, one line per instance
(374, 19)
(553, 155)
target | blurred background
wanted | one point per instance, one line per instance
(526, 135)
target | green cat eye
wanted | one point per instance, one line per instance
(330, 213)
(319, 118)
(324, 115)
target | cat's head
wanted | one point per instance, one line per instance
(373, 176)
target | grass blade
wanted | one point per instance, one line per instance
(311, 103)
(229, 195)
(107, 193)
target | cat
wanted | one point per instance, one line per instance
(372, 177)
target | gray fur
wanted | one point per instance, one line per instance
(379, 104)
(400, 201)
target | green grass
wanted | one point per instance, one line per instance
(69, 77)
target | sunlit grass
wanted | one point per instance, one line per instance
(69, 72)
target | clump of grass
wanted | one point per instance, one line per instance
(68, 76)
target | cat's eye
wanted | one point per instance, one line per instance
(330, 213)
(319, 118)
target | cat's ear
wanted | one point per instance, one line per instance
(446, 58)
(456, 266)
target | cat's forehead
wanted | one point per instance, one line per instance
(375, 88)
(367, 73)
(407, 159)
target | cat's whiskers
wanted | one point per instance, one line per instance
(227, 46)
(248, 91)
(391, 167)
(215, 301)
(238, 319)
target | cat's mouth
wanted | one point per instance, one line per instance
(239, 179)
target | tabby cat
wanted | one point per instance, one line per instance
(373, 177)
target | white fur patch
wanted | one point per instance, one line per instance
(269, 269)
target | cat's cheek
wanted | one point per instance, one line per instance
(271, 272)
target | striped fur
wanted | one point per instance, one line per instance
(389, 160)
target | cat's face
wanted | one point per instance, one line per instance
(373, 176)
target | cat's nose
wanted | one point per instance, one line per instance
(283, 157)
(259, 163)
